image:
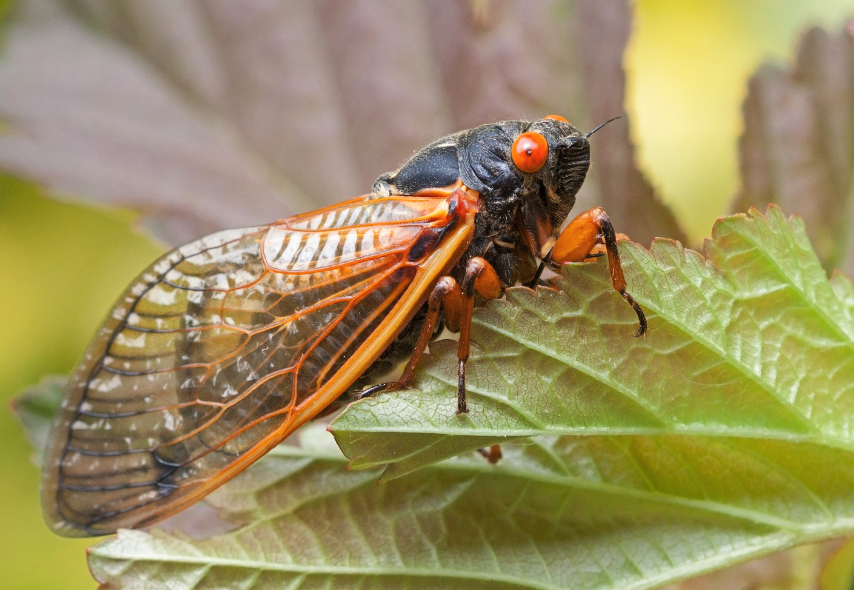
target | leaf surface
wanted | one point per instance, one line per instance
(35, 408)
(752, 341)
(583, 512)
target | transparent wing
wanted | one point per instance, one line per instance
(223, 346)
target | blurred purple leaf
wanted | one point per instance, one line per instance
(205, 114)
(88, 118)
(797, 148)
(536, 58)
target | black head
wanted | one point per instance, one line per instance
(527, 173)
(554, 167)
(564, 170)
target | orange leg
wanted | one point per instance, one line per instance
(479, 277)
(447, 291)
(583, 238)
(458, 305)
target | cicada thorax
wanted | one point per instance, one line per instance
(519, 210)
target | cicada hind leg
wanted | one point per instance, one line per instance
(585, 237)
(457, 301)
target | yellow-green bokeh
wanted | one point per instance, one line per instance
(62, 265)
(688, 63)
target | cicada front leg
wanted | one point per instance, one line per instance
(585, 237)
(458, 304)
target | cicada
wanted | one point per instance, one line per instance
(225, 346)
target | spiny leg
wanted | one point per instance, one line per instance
(479, 277)
(581, 238)
(482, 278)
(458, 306)
(446, 291)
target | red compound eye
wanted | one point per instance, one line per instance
(556, 118)
(530, 152)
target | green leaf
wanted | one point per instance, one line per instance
(35, 408)
(753, 341)
(583, 512)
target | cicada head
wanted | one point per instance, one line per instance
(527, 174)
(563, 170)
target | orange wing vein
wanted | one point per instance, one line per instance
(226, 345)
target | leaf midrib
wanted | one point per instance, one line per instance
(573, 482)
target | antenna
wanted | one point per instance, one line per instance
(589, 133)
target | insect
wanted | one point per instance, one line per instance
(225, 346)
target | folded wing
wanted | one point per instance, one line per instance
(224, 346)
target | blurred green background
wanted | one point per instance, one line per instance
(63, 265)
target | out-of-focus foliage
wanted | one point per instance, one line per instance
(838, 574)
(35, 408)
(797, 149)
(225, 114)
(62, 268)
(688, 63)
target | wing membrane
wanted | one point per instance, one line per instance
(224, 346)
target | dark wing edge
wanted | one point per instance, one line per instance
(223, 347)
